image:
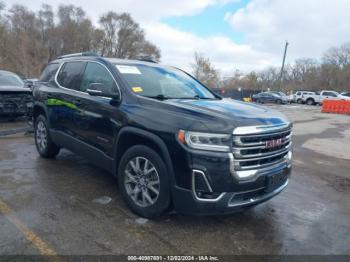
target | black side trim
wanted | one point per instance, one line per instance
(154, 138)
(81, 148)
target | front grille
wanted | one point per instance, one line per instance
(261, 149)
(20, 98)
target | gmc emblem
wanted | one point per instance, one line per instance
(273, 143)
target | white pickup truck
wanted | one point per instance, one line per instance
(318, 97)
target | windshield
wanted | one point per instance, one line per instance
(8, 79)
(162, 82)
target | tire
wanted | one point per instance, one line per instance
(310, 102)
(144, 199)
(44, 144)
(299, 101)
(278, 101)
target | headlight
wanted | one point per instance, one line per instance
(205, 141)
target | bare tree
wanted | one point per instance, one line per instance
(338, 56)
(124, 38)
(29, 40)
(204, 71)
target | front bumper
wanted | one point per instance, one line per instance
(187, 202)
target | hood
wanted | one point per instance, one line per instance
(344, 97)
(237, 112)
(14, 89)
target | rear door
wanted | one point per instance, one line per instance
(262, 97)
(269, 97)
(65, 102)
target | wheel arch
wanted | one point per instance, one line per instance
(130, 136)
(39, 109)
(311, 99)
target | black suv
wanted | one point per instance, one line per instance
(170, 141)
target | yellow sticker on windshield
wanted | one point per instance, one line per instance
(137, 89)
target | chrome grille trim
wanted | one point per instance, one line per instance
(244, 130)
(259, 166)
(251, 153)
(262, 144)
(238, 139)
(237, 151)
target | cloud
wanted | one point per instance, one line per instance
(311, 26)
(178, 49)
(142, 11)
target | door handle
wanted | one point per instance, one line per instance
(77, 102)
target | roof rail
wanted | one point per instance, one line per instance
(78, 54)
(147, 59)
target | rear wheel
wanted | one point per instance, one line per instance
(43, 141)
(143, 181)
(278, 101)
(310, 102)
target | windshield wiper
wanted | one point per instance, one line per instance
(159, 97)
(163, 97)
(197, 97)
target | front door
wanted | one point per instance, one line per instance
(101, 117)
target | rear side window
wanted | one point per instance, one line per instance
(49, 73)
(71, 74)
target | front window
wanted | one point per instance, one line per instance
(9, 79)
(332, 94)
(162, 82)
(97, 74)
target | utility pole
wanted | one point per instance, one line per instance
(282, 68)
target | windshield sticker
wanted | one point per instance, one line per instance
(125, 69)
(137, 89)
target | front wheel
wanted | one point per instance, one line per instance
(43, 141)
(143, 181)
(279, 101)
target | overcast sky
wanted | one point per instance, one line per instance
(234, 34)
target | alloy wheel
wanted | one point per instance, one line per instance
(41, 135)
(141, 181)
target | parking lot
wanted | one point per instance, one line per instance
(68, 206)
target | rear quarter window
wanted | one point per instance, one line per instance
(49, 73)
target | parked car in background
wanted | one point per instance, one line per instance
(285, 97)
(15, 98)
(298, 97)
(270, 97)
(318, 98)
(346, 94)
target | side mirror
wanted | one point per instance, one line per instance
(99, 89)
(28, 84)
